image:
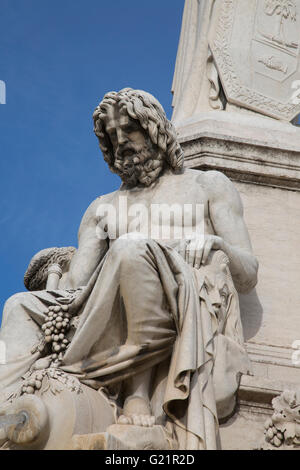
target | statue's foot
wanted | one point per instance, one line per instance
(146, 421)
(137, 412)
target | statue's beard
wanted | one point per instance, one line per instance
(143, 166)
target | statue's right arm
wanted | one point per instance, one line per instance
(90, 251)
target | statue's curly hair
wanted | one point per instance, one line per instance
(144, 108)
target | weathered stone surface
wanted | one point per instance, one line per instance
(119, 437)
(247, 148)
(256, 48)
(235, 55)
(196, 86)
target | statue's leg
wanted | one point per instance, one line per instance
(149, 320)
(136, 409)
(20, 334)
(148, 317)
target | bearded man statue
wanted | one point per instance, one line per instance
(146, 310)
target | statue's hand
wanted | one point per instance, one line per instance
(196, 251)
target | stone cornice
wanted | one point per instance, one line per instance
(256, 163)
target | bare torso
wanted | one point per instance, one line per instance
(220, 218)
(185, 195)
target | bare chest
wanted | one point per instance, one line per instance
(172, 210)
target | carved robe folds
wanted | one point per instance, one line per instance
(145, 307)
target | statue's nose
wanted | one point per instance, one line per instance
(122, 137)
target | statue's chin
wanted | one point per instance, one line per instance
(146, 182)
(134, 180)
(141, 178)
(129, 181)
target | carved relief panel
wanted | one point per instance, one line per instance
(256, 47)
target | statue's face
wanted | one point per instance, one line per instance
(132, 147)
(126, 134)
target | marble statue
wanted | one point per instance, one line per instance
(132, 340)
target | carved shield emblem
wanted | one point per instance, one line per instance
(256, 47)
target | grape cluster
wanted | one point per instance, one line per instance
(273, 435)
(55, 328)
(32, 384)
(35, 380)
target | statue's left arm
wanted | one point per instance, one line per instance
(90, 251)
(227, 217)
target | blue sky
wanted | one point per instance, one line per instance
(58, 58)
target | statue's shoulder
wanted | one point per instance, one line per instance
(217, 183)
(93, 209)
(217, 186)
(208, 178)
(106, 198)
(221, 190)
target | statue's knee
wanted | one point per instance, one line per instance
(12, 304)
(129, 250)
(15, 300)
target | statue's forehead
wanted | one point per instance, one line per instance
(116, 116)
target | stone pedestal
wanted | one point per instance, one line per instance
(120, 437)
